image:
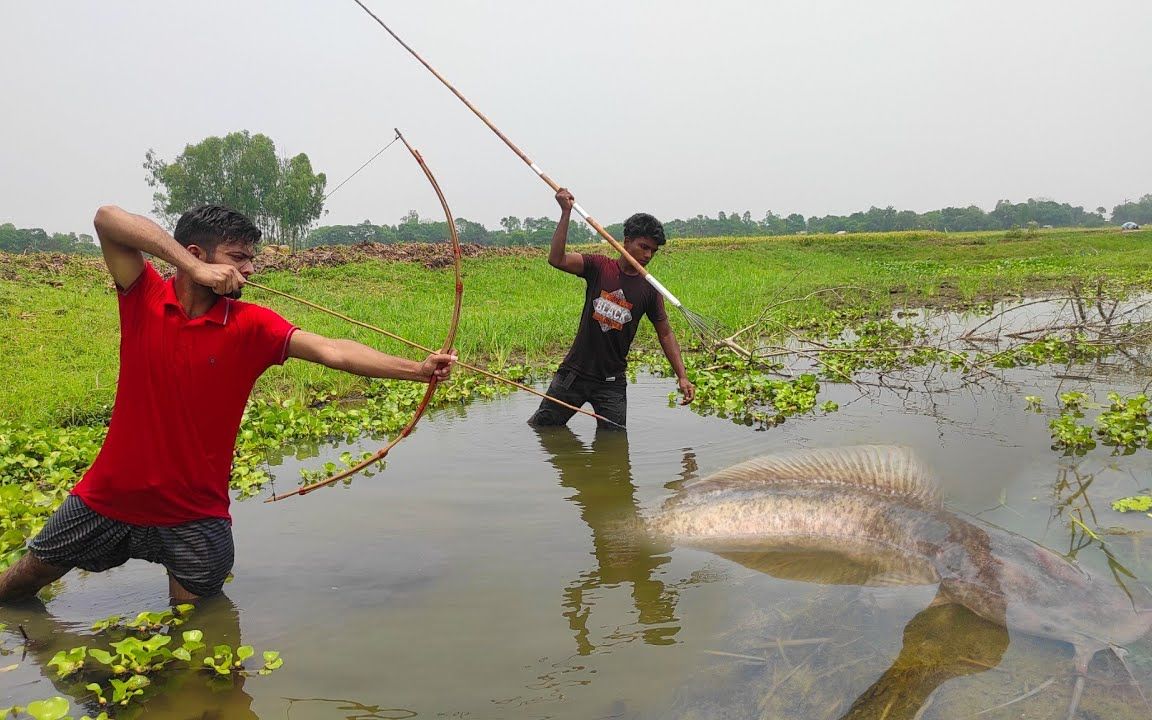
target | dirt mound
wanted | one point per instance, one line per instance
(277, 257)
(272, 258)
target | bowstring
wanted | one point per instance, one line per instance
(271, 476)
(366, 164)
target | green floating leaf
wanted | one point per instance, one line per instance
(51, 709)
(193, 636)
(1135, 503)
(101, 656)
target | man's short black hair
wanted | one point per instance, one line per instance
(210, 225)
(644, 225)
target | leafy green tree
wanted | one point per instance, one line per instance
(283, 196)
(580, 232)
(365, 232)
(1139, 212)
(471, 232)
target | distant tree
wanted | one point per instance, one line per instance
(471, 232)
(22, 240)
(907, 220)
(538, 231)
(414, 230)
(282, 195)
(1139, 212)
(579, 232)
(350, 234)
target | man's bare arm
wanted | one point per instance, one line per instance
(125, 237)
(671, 348)
(359, 359)
(558, 257)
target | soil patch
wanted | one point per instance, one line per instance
(272, 258)
(277, 257)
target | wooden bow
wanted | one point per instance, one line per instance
(445, 347)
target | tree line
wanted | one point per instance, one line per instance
(285, 198)
(22, 240)
(538, 231)
(413, 228)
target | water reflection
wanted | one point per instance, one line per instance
(359, 710)
(600, 476)
(942, 642)
(172, 694)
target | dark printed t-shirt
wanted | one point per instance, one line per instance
(179, 399)
(613, 305)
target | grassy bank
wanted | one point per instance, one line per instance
(59, 329)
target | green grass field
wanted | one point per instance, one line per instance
(58, 322)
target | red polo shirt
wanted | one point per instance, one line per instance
(179, 399)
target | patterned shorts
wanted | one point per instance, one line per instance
(198, 554)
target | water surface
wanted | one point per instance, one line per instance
(495, 571)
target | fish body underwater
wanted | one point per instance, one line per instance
(873, 515)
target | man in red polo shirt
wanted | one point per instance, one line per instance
(190, 353)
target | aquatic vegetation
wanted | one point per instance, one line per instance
(743, 392)
(54, 708)
(1050, 351)
(1070, 436)
(1135, 503)
(37, 468)
(1123, 424)
(130, 668)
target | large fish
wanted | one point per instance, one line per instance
(872, 515)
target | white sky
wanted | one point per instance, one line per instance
(672, 107)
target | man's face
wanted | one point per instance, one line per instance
(237, 254)
(641, 248)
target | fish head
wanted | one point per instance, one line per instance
(1045, 594)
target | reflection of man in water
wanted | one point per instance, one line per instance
(179, 692)
(601, 477)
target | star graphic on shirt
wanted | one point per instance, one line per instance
(611, 310)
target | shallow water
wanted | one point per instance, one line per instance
(494, 571)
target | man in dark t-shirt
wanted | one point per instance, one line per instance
(616, 296)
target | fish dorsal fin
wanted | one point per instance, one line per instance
(888, 470)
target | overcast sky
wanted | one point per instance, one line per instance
(676, 108)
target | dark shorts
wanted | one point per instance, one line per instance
(198, 554)
(608, 398)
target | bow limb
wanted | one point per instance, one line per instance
(449, 340)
